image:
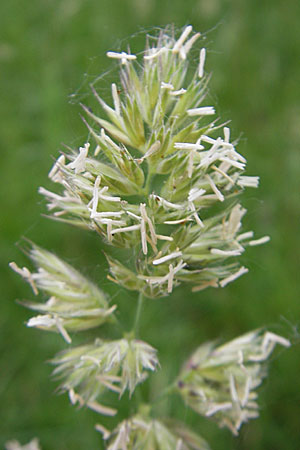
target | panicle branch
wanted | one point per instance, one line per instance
(221, 382)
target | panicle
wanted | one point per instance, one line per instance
(221, 382)
(87, 371)
(74, 302)
(160, 169)
(141, 431)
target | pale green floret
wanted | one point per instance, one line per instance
(220, 382)
(75, 303)
(161, 181)
(144, 433)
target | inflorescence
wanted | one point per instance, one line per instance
(160, 179)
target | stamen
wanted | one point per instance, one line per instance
(215, 189)
(188, 45)
(276, 339)
(218, 407)
(209, 139)
(50, 194)
(148, 220)
(224, 166)
(109, 198)
(188, 146)
(104, 431)
(104, 221)
(182, 53)
(217, 251)
(226, 134)
(109, 140)
(202, 111)
(176, 222)
(62, 330)
(195, 214)
(195, 193)
(125, 229)
(155, 54)
(234, 276)
(201, 63)
(101, 409)
(170, 278)
(233, 391)
(168, 86)
(133, 215)
(153, 149)
(74, 397)
(236, 164)
(224, 174)
(143, 237)
(104, 214)
(164, 238)
(162, 260)
(233, 153)
(26, 274)
(179, 92)
(55, 173)
(124, 57)
(59, 213)
(161, 280)
(116, 98)
(260, 241)
(79, 162)
(166, 203)
(95, 198)
(234, 222)
(182, 38)
(201, 287)
(153, 246)
(97, 150)
(245, 181)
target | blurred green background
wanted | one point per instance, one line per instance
(49, 50)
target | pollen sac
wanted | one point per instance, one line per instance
(220, 382)
(75, 303)
(160, 176)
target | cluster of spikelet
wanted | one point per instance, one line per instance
(159, 178)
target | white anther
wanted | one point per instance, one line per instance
(201, 63)
(116, 98)
(182, 38)
(202, 111)
(166, 258)
(215, 189)
(260, 241)
(234, 276)
(124, 57)
(55, 173)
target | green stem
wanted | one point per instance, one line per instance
(135, 330)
